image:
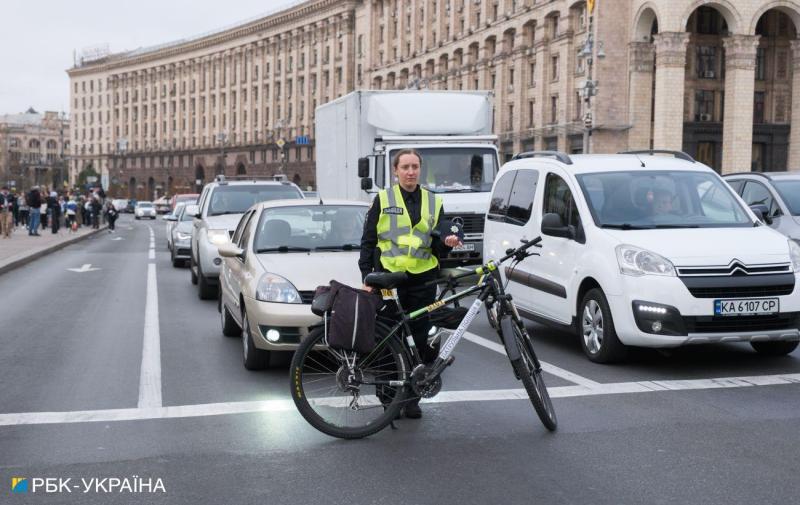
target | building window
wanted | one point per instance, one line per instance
(532, 79)
(703, 105)
(554, 68)
(554, 108)
(706, 62)
(761, 64)
(758, 107)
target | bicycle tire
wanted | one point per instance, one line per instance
(532, 379)
(310, 413)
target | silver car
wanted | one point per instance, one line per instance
(775, 194)
(171, 220)
(181, 235)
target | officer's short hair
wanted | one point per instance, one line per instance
(401, 152)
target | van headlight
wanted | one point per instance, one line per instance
(637, 261)
(274, 288)
(794, 253)
(218, 237)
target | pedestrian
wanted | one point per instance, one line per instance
(34, 203)
(22, 203)
(43, 210)
(398, 237)
(71, 209)
(54, 211)
(15, 205)
(111, 215)
(6, 212)
(97, 208)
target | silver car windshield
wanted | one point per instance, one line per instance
(661, 199)
(313, 227)
(237, 199)
(790, 192)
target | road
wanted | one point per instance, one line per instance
(99, 384)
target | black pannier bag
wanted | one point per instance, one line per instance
(350, 316)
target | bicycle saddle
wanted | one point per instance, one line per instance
(385, 280)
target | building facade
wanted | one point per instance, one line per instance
(33, 149)
(713, 78)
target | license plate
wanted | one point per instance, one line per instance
(464, 247)
(746, 307)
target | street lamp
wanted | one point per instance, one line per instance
(589, 88)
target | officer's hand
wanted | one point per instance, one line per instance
(452, 241)
(366, 288)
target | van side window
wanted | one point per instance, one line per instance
(558, 200)
(498, 205)
(520, 203)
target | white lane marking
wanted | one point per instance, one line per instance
(287, 405)
(151, 253)
(150, 373)
(87, 267)
(547, 367)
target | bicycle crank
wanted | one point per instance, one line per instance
(422, 384)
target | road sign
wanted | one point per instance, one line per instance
(590, 5)
(281, 142)
(302, 140)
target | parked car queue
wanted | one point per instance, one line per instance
(647, 249)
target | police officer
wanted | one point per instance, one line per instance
(397, 238)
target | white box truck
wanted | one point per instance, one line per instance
(358, 134)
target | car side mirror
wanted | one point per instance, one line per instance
(198, 215)
(229, 250)
(553, 225)
(363, 167)
(762, 213)
(366, 183)
(170, 217)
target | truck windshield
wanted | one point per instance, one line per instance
(458, 169)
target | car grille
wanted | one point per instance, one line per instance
(740, 286)
(735, 268)
(473, 223)
(721, 324)
(306, 297)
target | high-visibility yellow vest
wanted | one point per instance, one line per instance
(406, 248)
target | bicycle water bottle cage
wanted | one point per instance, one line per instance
(385, 280)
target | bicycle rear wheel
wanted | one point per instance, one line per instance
(530, 373)
(326, 386)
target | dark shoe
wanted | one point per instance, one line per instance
(412, 410)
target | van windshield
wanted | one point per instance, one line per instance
(457, 169)
(661, 199)
(789, 190)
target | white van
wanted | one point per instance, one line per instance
(643, 249)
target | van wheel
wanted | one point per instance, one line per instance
(596, 329)
(778, 348)
(253, 357)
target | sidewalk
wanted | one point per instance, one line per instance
(22, 248)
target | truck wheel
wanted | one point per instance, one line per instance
(596, 329)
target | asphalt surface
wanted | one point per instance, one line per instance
(71, 344)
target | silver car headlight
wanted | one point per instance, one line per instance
(637, 261)
(794, 253)
(274, 288)
(218, 237)
(183, 236)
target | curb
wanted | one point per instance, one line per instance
(44, 252)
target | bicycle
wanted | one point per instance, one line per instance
(349, 396)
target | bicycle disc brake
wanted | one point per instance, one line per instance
(429, 390)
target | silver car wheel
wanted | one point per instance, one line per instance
(245, 335)
(593, 326)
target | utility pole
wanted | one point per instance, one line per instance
(590, 85)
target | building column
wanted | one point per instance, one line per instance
(794, 132)
(737, 128)
(642, 59)
(670, 50)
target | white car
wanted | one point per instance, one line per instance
(642, 249)
(281, 251)
(221, 206)
(144, 210)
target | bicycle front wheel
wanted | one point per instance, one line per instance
(332, 389)
(530, 373)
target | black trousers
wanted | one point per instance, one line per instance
(415, 295)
